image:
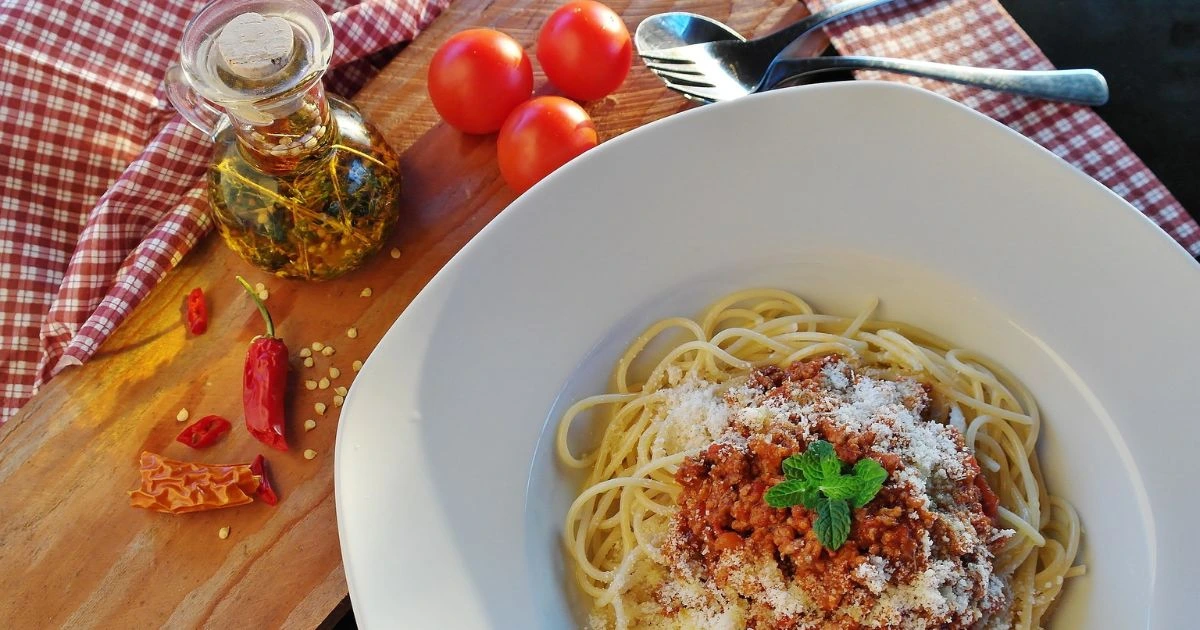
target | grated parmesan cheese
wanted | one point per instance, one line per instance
(874, 573)
(695, 413)
(696, 416)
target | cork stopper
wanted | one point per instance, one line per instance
(254, 46)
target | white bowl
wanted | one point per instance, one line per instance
(448, 497)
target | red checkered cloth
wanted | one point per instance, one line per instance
(981, 33)
(100, 180)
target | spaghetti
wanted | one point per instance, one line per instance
(708, 395)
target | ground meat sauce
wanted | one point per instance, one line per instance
(724, 527)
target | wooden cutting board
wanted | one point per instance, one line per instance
(72, 551)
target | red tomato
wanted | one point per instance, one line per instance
(585, 50)
(541, 135)
(477, 77)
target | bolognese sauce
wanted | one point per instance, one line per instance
(918, 554)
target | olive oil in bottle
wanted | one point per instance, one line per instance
(299, 184)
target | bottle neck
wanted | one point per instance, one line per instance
(302, 130)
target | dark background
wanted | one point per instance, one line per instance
(1149, 51)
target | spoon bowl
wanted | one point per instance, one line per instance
(680, 28)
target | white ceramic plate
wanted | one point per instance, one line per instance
(448, 497)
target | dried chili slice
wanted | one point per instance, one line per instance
(175, 487)
(197, 312)
(204, 432)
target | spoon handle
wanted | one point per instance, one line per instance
(1086, 87)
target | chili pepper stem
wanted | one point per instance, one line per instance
(262, 308)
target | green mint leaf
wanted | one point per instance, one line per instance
(832, 525)
(809, 465)
(840, 487)
(870, 475)
(811, 497)
(821, 449)
(788, 493)
(811, 461)
(831, 466)
(792, 467)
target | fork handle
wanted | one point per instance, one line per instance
(1086, 87)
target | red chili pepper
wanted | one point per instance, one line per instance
(264, 381)
(204, 432)
(265, 492)
(197, 312)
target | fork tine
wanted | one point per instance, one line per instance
(679, 54)
(688, 81)
(695, 79)
(703, 92)
(676, 68)
(708, 95)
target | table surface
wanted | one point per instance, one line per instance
(1149, 50)
(74, 553)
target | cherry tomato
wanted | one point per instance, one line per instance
(585, 50)
(477, 77)
(541, 135)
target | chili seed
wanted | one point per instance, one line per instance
(356, 366)
(182, 416)
(352, 332)
(338, 400)
(340, 391)
(320, 408)
(305, 352)
(328, 351)
(309, 453)
(317, 346)
(308, 361)
(365, 292)
(260, 287)
(223, 533)
(395, 252)
(310, 384)
(334, 372)
(263, 295)
(310, 424)
(323, 383)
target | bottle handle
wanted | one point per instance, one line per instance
(194, 109)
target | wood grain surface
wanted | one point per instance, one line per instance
(72, 551)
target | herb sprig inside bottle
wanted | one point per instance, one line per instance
(816, 481)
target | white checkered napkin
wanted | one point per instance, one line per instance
(100, 180)
(982, 33)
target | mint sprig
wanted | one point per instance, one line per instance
(815, 480)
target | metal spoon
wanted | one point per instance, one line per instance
(670, 30)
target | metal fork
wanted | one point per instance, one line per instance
(737, 63)
(1086, 87)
